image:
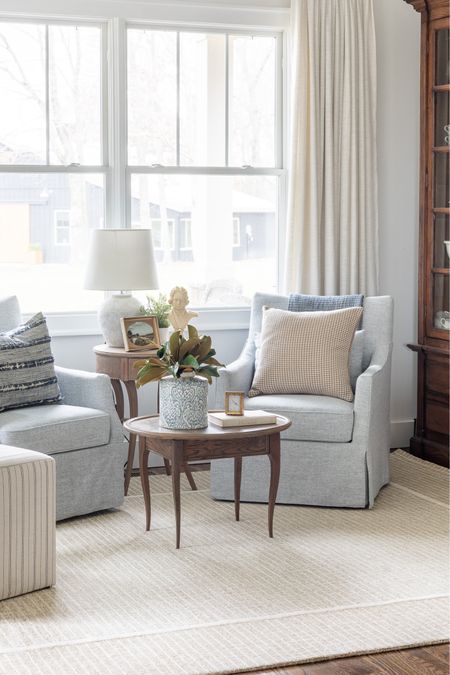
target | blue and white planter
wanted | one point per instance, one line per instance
(183, 402)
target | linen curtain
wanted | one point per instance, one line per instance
(332, 220)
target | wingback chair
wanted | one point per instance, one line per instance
(336, 453)
(83, 434)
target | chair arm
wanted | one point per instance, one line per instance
(237, 376)
(89, 390)
(372, 414)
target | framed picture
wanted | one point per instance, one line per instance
(234, 402)
(140, 333)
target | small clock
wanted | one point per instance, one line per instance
(234, 402)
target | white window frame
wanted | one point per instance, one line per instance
(185, 224)
(57, 227)
(236, 240)
(170, 222)
(117, 174)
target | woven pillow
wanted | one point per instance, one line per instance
(306, 353)
(27, 373)
(354, 360)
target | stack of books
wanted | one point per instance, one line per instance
(250, 418)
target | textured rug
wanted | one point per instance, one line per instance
(332, 582)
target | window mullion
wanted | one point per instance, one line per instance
(117, 209)
(227, 97)
(178, 100)
(47, 97)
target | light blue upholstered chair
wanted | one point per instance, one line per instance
(336, 453)
(82, 433)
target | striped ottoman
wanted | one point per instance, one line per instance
(27, 521)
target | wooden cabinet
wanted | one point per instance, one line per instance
(431, 436)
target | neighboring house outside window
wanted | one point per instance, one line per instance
(61, 221)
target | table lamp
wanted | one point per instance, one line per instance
(121, 261)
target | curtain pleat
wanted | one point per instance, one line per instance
(332, 228)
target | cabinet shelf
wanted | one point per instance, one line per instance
(441, 270)
(445, 210)
(441, 87)
(441, 148)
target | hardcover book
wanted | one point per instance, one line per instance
(250, 418)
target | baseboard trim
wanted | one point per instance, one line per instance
(401, 432)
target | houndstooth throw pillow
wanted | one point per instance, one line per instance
(306, 353)
(27, 373)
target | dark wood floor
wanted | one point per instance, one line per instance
(432, 660)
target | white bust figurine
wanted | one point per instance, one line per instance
(179, 316)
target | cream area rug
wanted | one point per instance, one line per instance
(332, 582)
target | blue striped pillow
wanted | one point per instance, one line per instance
(27, 373)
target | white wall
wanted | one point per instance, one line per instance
(397, 27)
(398, 47)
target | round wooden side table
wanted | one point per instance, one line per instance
(120, 366)
(213, 442)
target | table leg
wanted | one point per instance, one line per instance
(274, 457)
(130, 462)
(190, 477)
(118, 395)
(237, 485)
(177, 462)
(133, 405)
(143, 470)
(167, 465)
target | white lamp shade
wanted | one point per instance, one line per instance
(121, 260)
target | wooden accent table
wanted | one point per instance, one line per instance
(119, 365)
(214, 442)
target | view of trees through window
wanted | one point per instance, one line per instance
(202, 168)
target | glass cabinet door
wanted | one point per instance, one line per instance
(440, 193)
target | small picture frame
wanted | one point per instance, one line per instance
(140, 333)
(234, 402)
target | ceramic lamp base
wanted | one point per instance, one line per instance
(110, 313)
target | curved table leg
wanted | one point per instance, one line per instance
(274, 457)
(143, 470)
(118, 396)
(190, 477)
(130, 461)
(133, 405)
(186, 470)
(177, 461)
(167, 465)
(237, 485)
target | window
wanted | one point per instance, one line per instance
(203, 133)
(51, 160)
(202, 166)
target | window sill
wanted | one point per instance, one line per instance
(72, 324)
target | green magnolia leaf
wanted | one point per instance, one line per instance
(205, 347)
(192, 331)
(206, 371)
(190, 361)
(151, 374)
(174, 345)
(213, 362)
(187, 347)
(161, 351)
